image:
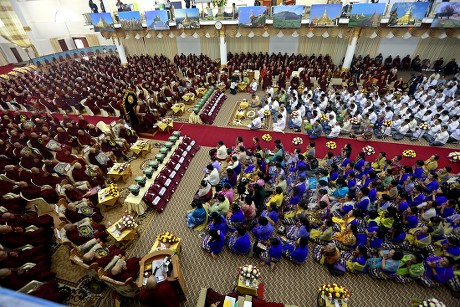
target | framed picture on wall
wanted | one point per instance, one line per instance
(366, 15)
(447, 16)
(287, 16)
(252, 16)
(407, 14)
(325, 15)
(187, 18)
(102, 22)
(130, 20)
(157, 20)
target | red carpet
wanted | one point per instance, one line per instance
(6, 69)
(209, 136)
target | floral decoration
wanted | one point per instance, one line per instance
(297, 141)
(354, 121)
(368, 150)
(334, 291)
(267, 112)
(250, 272)
(323, 117)
(424, 126)
(431, 302)
(295, 114)
(331, 145)
(267, 137)
(387, 123)
(409, 153)
(113, 189)
(167, 237)
(127, 221)
(454, 156)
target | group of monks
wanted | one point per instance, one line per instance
(60, 160)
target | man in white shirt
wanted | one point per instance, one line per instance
(296, 121)
(372, 117)
(441, 138)
(280, 124)
(402, 131)
(335, 131)
(256, 123)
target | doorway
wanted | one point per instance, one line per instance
(80, 42)
(16, 54)
(63, 45)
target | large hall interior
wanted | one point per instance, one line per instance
(229, 153)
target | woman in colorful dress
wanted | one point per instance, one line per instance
(239, 242)
(213, 242)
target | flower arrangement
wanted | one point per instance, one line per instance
(424, 126)
(167, 237)
(113, 189)
(387, 123)
(267, 112)
(250, 272)
(409, 153)
(368, 150)
(267, 137)
(354, 121)
(323, 117)
(431, 302)
(167, 121)
(122, 167)
(127, 221)
(295, 114)
(454, 156)
(331, 145)
(334, 291)
(141, 144)
(297, 141)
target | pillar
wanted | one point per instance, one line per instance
(223, 48)
(350, 50)
(121, 51)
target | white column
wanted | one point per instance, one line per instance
(121, 52)
(350, 50)
(223, 48)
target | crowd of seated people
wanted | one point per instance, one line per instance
(97, 85)
(364, 110)
(393, 221)
(61, 161)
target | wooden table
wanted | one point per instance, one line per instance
(244, 104)
(178, 108)
(189, 98)
(141, 148)
(165, 125)
(200, 91)
(242, 86)
(106, 199)
(221, 87)
(244, 289)
(145, 269)
(124, 237)
(176, 247)
(116, 175)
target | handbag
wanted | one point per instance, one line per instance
(337, 269)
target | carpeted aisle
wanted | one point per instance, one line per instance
(209, 136)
